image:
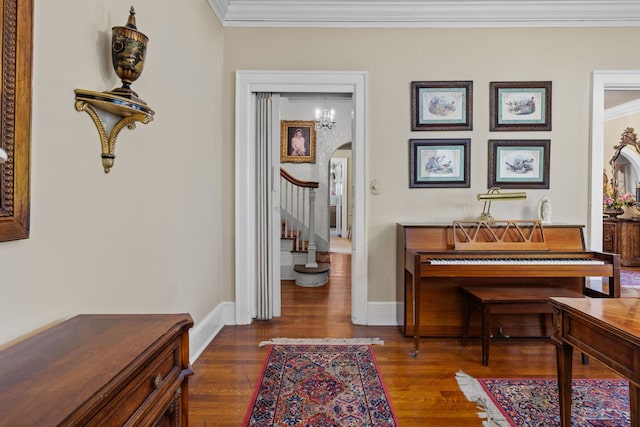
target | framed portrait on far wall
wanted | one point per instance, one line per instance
(445, 105)
(520, 106)
(519, 163)
(440, 163)
(297, 141)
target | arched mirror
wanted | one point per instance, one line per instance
(624, 172)
(621, 176)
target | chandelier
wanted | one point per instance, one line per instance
(324, 118)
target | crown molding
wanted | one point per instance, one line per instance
(427, 13)
(220, 8)
(622, 110)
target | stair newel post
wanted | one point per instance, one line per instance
(311, 255)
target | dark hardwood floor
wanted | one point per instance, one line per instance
(423, 391)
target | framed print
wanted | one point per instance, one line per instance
(519, 163)
(442, 105)
(440, 163)
(297, 141)
(520, 106)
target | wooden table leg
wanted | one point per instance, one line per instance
(633, 405)
(564, 353)
(486, 333)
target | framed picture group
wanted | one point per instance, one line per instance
(514, 106)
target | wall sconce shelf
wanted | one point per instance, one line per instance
(110, 114)
(112, 111)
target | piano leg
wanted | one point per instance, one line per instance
(416, 313)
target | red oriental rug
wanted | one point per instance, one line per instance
(533, 402)
(325, 383)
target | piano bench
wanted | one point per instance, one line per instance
(506, 300)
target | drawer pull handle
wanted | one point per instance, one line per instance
(157, 381)
(607, 238)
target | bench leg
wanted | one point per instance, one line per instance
(486, 333)
(466, 313)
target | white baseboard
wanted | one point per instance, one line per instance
(286, 272)
(379, 314)
(205, 331)
(383, 313)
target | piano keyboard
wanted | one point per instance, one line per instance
(515, 261)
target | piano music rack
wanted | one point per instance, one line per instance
(499, 235)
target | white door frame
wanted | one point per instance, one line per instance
(602, 81)
(247, 84)
(276, 225)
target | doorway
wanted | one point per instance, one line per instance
(248, 84)
(338, 195)
(340, 200)
(602, 82)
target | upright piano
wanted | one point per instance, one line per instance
(435, 261)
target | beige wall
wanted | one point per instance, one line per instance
(154, 235)
(395, 57)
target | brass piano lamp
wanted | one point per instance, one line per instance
(494, 194)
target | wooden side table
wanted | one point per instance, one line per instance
(607, 329)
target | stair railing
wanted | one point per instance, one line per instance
(298, 202)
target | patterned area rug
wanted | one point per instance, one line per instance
(630, 279)
(320, 384)
(534, 402)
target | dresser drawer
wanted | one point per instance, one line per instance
(153, 381)
(169, 409)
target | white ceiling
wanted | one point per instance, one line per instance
(427, 13)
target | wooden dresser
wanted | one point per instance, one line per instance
(622, 236)
(110, 370)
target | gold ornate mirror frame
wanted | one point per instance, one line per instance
(15, 118)
(628, 137)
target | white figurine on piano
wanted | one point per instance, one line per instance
(544, 210)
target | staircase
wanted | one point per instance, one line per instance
(298, 255)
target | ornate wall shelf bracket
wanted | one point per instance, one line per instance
(111, 113)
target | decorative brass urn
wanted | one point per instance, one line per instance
(114, 110)
(128, 49)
